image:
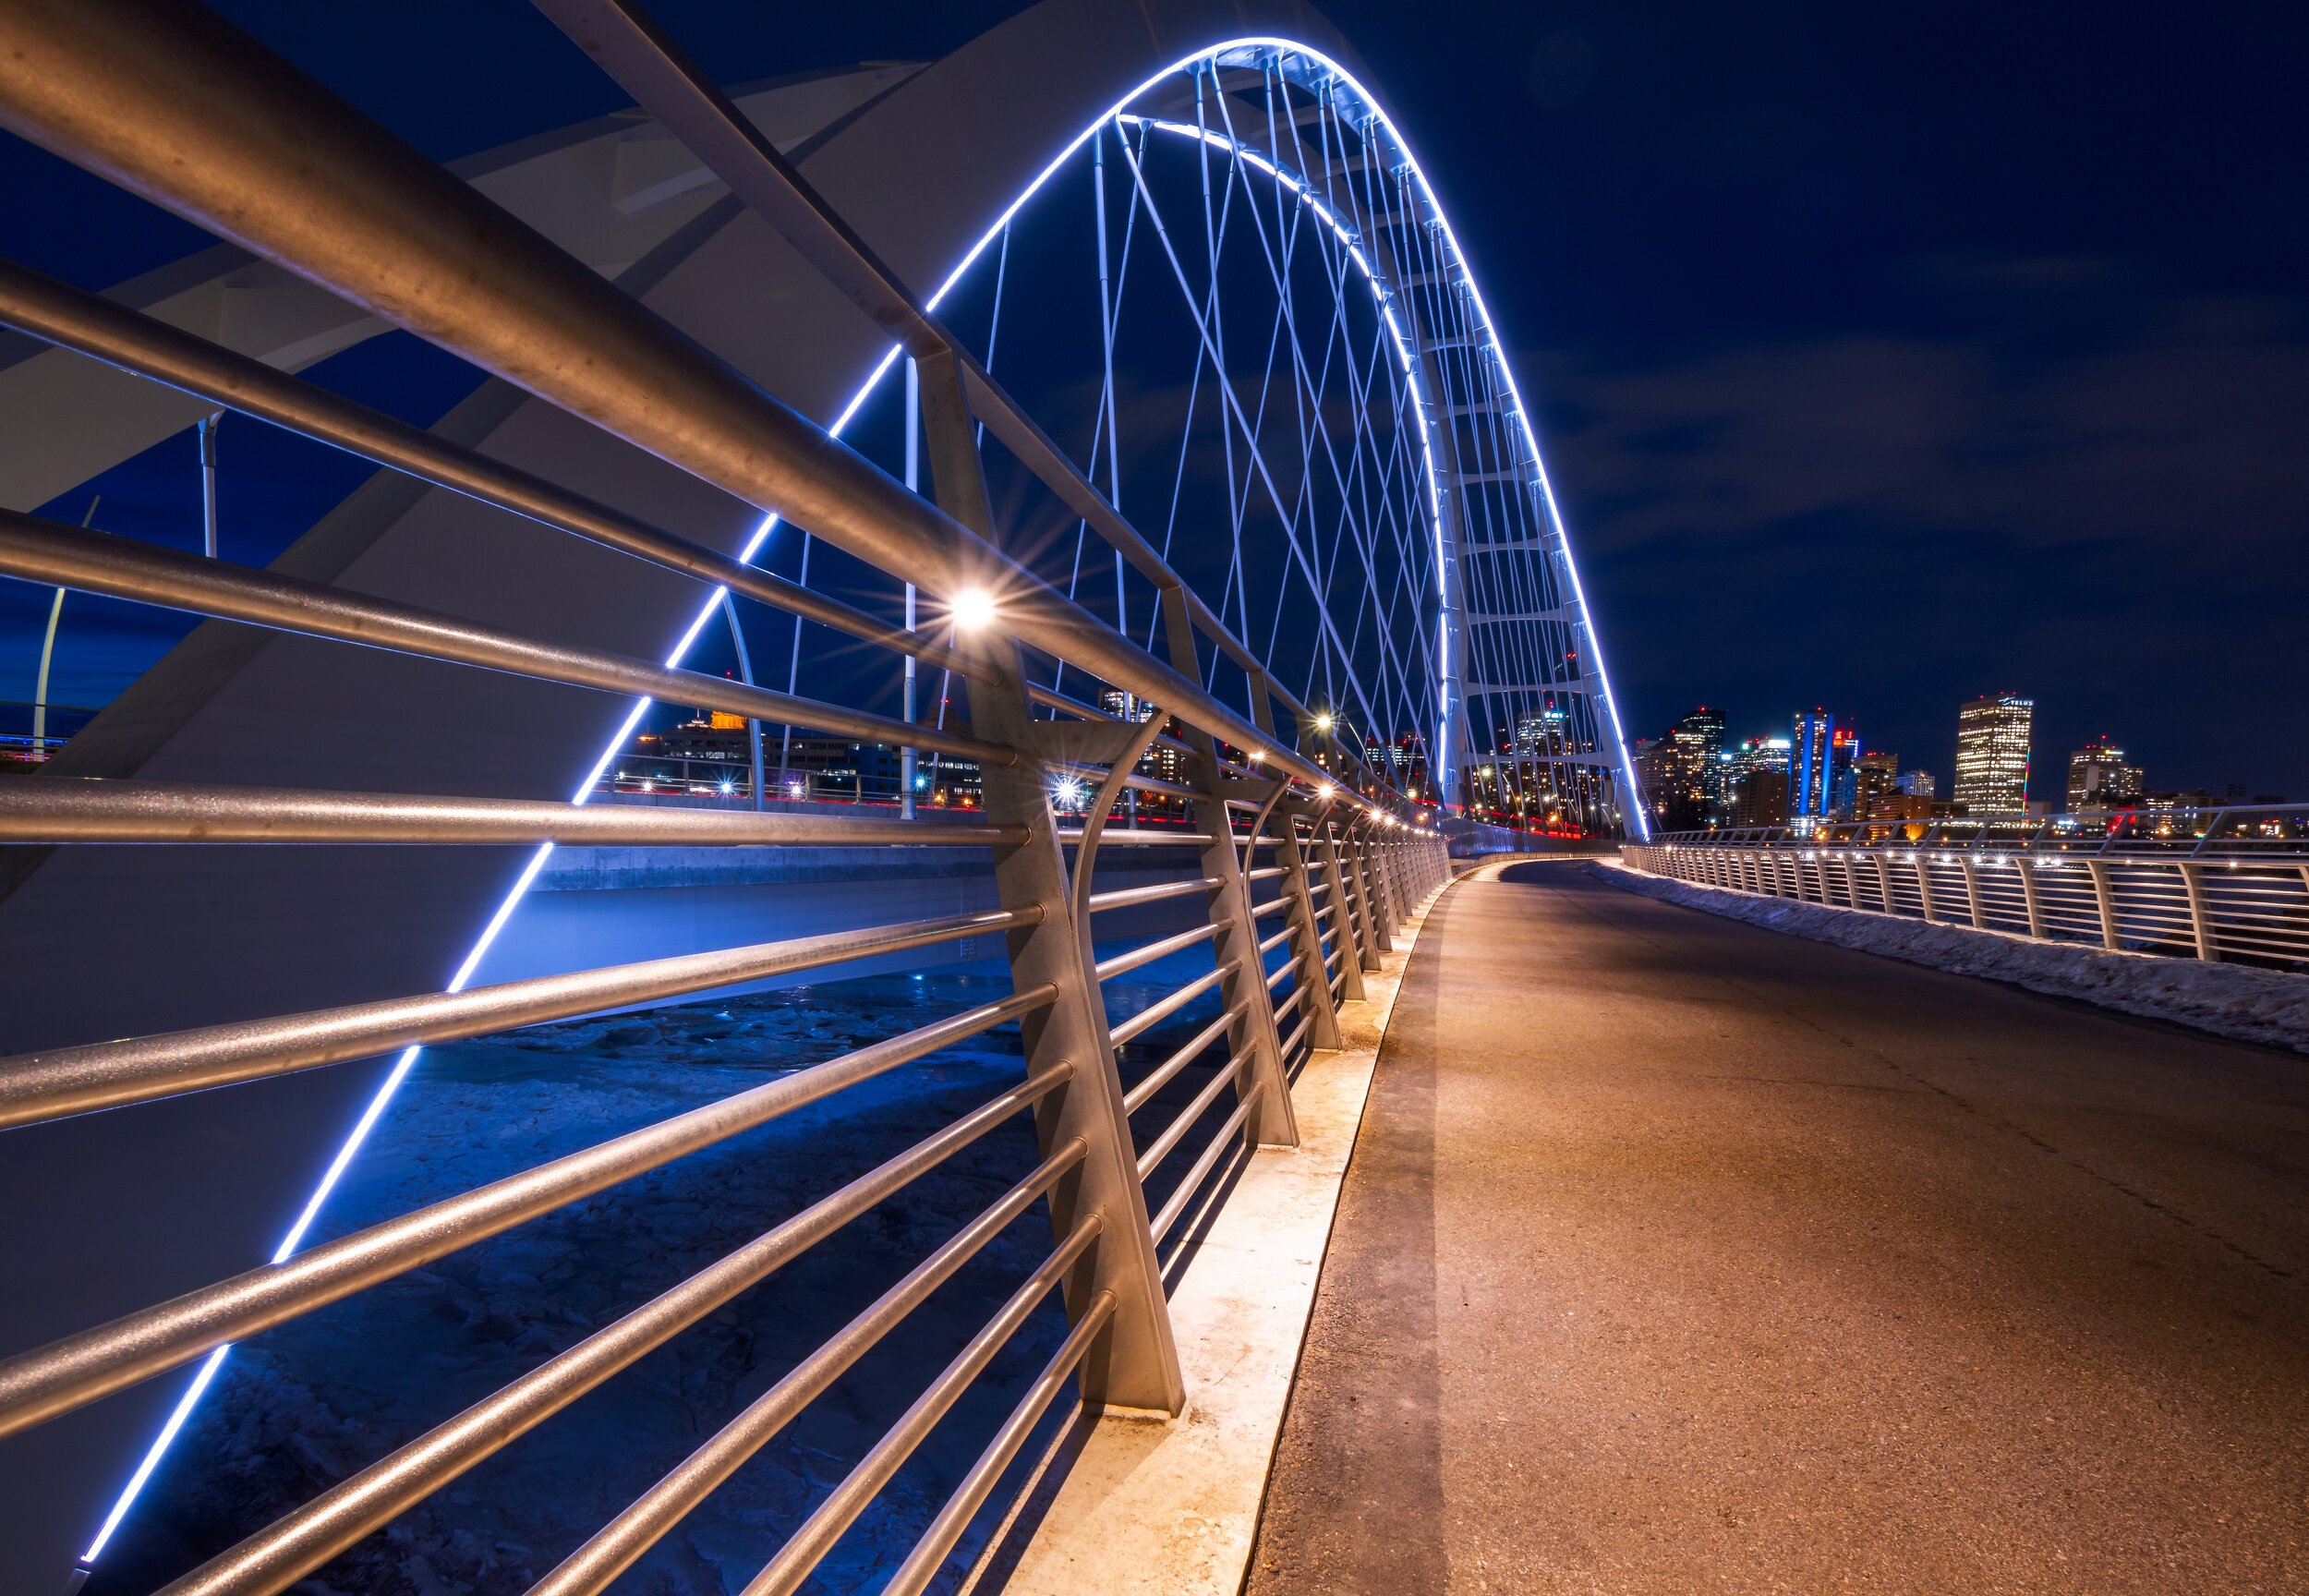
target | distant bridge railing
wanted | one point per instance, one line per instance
(1303, 859)
(2229, 884)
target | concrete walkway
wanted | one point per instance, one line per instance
(1679, 1255)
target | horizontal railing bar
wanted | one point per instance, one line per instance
(88, 810)
(1127, 896)
(1126, 834)
(1184, 1120)
(808, 1545)
(646, 1520)
(92, 325)
(1297, 1030)
(65, 1081)
(1265, 872)
(1272, 906)
(1155, 1013)
(1283, 971)
(71, 1372)
(1289, 1001)
(1200, 1168)
(299, 1542)
(1272, 942)
(1159, 1076)
(57, 555)
(1122, 962)
(922, 1564)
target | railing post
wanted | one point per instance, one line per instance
(1924, 888)
(1366, 924)
(2200, 911)
(1314, 976)
(1972, 889)
(1346, 936)
(1141, 1366)
(2028, 893)
(1884, 883)
(2105, 898)
(1271, 1123)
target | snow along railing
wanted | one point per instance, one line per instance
(2238, 889)
(1304, 858)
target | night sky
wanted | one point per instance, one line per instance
(1886, 356)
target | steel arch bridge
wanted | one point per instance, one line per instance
(1241, 414)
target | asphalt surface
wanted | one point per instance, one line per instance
(1680, 1255)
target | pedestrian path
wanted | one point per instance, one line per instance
(1679, 1255)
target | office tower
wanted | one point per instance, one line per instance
(1695, 770)
(1875, 778)
(2099, 778)
(1810, 757)
(1993, 736)
(1917, 784)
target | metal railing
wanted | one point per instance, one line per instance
(154, 98)
(2233, 885)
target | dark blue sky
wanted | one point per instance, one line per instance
(1887, 356)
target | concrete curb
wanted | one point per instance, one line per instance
(2233, 1000)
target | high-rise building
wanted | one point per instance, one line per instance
(1739, 768)
(1993, 736)
(1917, 784)
(1762, 798)
(1701, 737)
(2099, 778)
(1811, 750)
(1875, 779)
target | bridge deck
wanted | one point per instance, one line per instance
(1681, 1255)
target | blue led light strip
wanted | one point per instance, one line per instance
(407, 1060)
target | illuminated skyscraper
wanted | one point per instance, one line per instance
(1810, 749)
(1992, 737)
(2099, 778)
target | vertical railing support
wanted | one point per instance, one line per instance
(2105, 900)
(1314, 976)
(1924, 888)
(1972, 890)
(1884, 883)
(1140, 1368)
(1346, 936)
(1271, 1123)
(2027, 869)
(1372, 942)
(2200, 911)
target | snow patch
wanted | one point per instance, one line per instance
(2235, 1001)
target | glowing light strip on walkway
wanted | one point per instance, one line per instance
(407, 1060)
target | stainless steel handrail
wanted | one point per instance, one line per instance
(1187, 1052)
(77, 1368)
(1163, 1008)
(66, 1081)
(92, 325)
(296, 1544)
(1123, 963)
(61, 556)
(1191, 1183)
(922, 1564)
(2250, 906)
(1159, 1149)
